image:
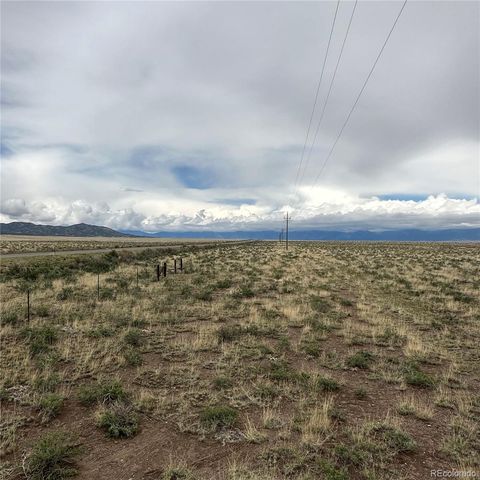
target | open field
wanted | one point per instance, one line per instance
(330, 361)
(10, 244)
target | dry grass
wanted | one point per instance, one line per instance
(296, 357)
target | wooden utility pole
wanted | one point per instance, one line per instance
(286, 232)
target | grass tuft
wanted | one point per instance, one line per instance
(219, 416)
(105, 391)
(52, 458)
(50, 405)
(360, 360)
(119, 420)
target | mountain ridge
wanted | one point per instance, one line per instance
(87, 230)
(412, 235)
(77, 230)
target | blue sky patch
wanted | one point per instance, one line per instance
(235, 201)
(422, 197)
(5, 151)
(403, 197)
(194, 177)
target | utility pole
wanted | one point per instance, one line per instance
(286, 233)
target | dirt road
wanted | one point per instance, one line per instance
(60, 253)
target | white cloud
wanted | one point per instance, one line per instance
(336, 210)
(123, 95)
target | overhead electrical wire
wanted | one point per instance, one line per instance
(325, 103)
(327, 158)
(316, 93)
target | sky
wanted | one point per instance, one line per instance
(193, 115)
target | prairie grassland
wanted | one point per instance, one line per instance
(329, 361)
(30, 243)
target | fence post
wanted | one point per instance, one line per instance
(137, 276)
(158, 272)
(28, 305)
(175, 265)
(181, 264)
(98, 286)
(164, 269)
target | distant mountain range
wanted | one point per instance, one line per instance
(79, 230)
(407, 235)
(410, 235)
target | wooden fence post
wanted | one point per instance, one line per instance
(98, 286)
(28, 306)
(175, 265)
(181, 264)
(164, 269)
(137, 276)
(158, 272)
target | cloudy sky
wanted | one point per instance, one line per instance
(193, 115)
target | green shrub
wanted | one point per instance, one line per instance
(119, 318)
(177, 473)
(319, 304)
(284, 343)
(101, 331)
(327, 384)
(66, 293)
(205, 295)
(463, 297)
(186, 290)
(138, 323)
(357, 454)
(331, 472)
(9, 318)
(105, 391)
(311, 347)
(221, 383)
(219, 416)
(119, 420)
(132, 357)
(223, 283)
(361, 393)
(42, 311)
(50, 405)
(39, 339)
(52, 458)
(47, 382)
(133, 337)
(107, 293)
(394, 439)
(280, 371)
(228, 333)
(245, 291)
(4, 395)
(360, 360)
(414, 376)
(318, 325)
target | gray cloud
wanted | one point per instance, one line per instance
(129, 94)
(348, 213)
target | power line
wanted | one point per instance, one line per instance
(325, 103)
(316, 93)
(327, 158)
